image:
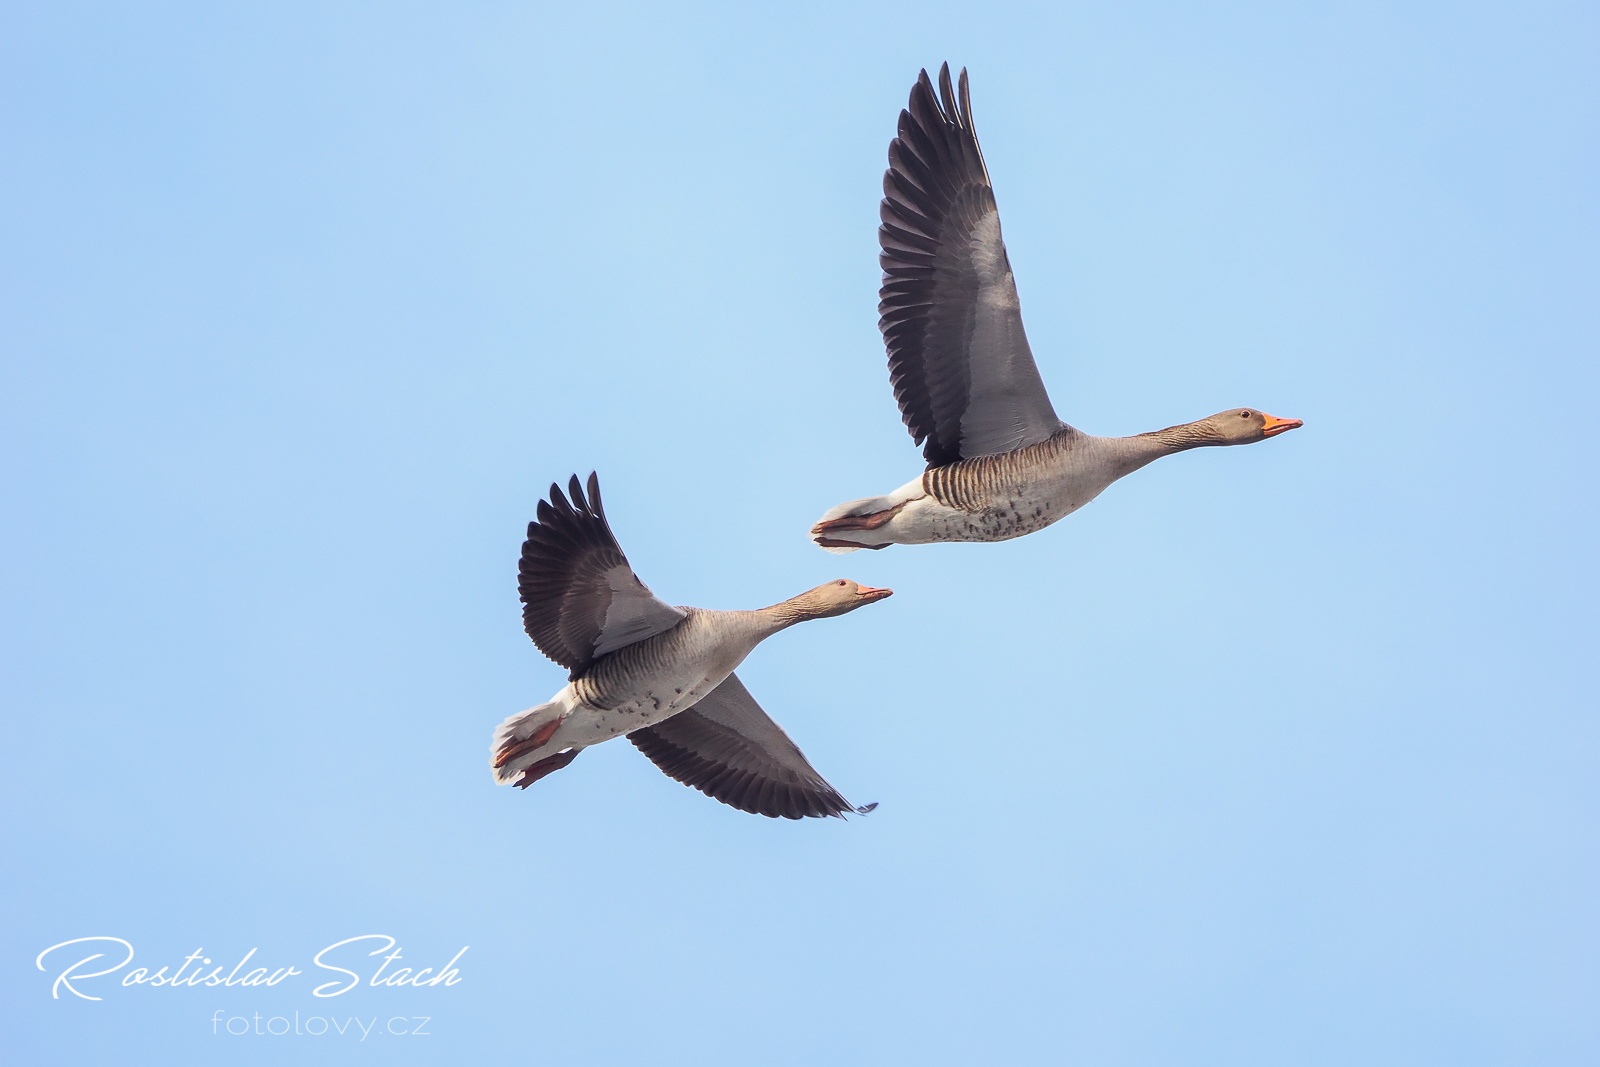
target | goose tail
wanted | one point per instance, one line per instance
(852, 525)
(523, 741)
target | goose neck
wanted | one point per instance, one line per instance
(783, 615)
(1131, 453)
(1181, 438)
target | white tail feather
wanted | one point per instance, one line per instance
(520, 727)
(865, 506)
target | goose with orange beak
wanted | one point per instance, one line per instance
(1000, 464)
(660, 675)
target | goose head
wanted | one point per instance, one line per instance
(835, 598)
(1244, 426)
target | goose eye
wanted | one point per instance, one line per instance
(1244, 414)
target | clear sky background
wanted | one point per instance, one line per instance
(1274, 755)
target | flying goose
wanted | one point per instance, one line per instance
(1000, 463)
(659, 674)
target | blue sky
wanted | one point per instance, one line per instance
(1274, 755)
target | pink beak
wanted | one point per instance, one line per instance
(1274, 425)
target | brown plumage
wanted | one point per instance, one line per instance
(659, 674)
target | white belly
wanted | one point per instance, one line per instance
(1025, 510)
(588, 725)
(658, 698)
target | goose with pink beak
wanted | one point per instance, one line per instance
(662, 676)
(1000, 464)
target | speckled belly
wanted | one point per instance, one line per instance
(1001, 522)
(601, 716)
(995, 499)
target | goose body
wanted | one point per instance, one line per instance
(643, 683)
(661, 675)
(1000, 463)
(988, 498)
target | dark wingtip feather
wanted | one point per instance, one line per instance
(559, 502)
(568, 539)
(947, 95)
(934, 161)
(743, 789)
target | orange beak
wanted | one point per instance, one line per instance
(1274, 425)
(869, 594)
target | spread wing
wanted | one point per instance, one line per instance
(726, 747)
(580, 599)
(959, 362)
